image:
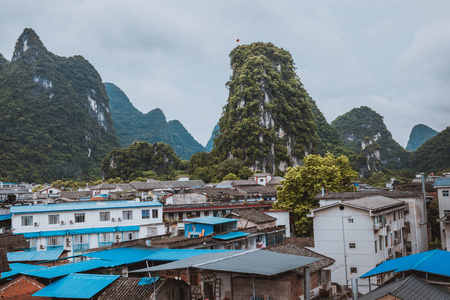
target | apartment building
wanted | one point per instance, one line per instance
(76, 227)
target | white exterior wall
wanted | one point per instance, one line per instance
(92, 220)
(418, 235)
(333, 233)
(282, 220)
(444, 205)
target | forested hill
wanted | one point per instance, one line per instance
(361, 129)
(131, 125)
(269, 121)
(54, 115)
(433, 155)
(419, 135)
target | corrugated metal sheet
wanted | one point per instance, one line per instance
(34, 255)
(147, 280)
(5, 217)
(17, 268)
(79, 231)
(22, 209)
(80, 286)
(211, 220)
(249, 262)
(134, 254)
(67, 269)
(231, 235)
(434, 261)
(442, 181)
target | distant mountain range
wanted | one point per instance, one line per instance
(152, 127)
(419, 135)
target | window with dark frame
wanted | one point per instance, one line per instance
(353, 270)
(79, 217)
(154, 213)
(145, 214)
(352, 245)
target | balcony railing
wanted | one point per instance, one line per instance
(80, 247)
(55, 247)
(103, 244)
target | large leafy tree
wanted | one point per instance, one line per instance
(303, 183)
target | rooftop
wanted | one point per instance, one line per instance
(81, 286)
(13, 242)
(80, 206)
(411, 288)
(252, 215)
(434, 262)
(34, 255)
(17, 268)
(211, 220)
(145, 186)
(128, 288)
(363, 194)
(442, 181)
(258, 262)
(372, 203)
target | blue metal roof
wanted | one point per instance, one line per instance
(23, 209)
(79, 231)
(147, 280)
(17, 268)
(135, 254)
(434, 261)
(442, 181)
(5, 217)
(80, 286)
(211, 220)
(34, 255)
(231, 235)
(62, 270)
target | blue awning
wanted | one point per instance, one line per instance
(34, 255)
(81, 286)
(231, 235)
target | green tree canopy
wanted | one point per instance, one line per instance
(303, 183)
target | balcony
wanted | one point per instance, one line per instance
(55, 247)
(80, 247)
(104, 244)
(376, 227)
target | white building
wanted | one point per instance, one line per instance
(76, 227)
(359, 234)
(443, 189)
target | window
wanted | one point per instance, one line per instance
(395, 215)
(129, 235)
(376, 248)
(105, 215)
(351, 221)
(106, 237)
(127, 215)
(81, 239)
(206, 213)
(385, 241)
(352, 245)
(154, 213)
(32, 243)
(145, 214)
(27, 220)
(381, 242)
(79, 218)
(53, 219)
(353, 270)
(54, 241)
(445, 193)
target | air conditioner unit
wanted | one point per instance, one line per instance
(36, 224)
(67, 242)
(119, 219)
(42, 247)
(63, 223)
(71, 221)
(113, 220)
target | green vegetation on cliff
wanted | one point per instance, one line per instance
(355, 126)
(267, 121)
(142, 160)
(433, 155)
(55, 121)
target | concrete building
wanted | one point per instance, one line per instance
(76, 227)
(359, 234)
(443, 190)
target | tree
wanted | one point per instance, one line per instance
(230, 176)
(303, 183)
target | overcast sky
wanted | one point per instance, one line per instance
(393, 56)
